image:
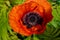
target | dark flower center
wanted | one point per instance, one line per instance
(31, 19)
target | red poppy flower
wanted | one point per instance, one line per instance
(30, 17)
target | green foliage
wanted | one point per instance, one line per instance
(55, 1)
(52, 30)
(58, 2)
(15, 2)
(5, 31)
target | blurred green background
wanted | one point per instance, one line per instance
(52, 29)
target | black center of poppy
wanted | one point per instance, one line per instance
(31, 19)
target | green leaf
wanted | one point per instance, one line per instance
(4, 26)
(28, 38)
(16, 2)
